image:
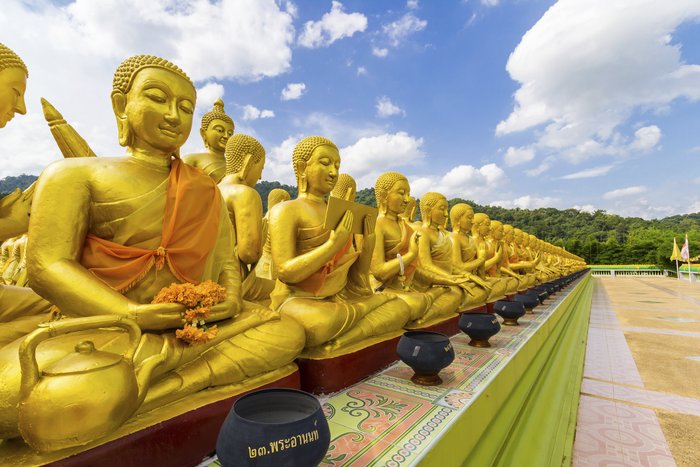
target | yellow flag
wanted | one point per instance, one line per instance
(676, 255)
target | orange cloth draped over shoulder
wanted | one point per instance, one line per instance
(315, 281)
(190, 232)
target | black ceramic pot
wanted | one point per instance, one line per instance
(541, 293)
(528, 300)
(510, 311)
(479, 327)
(426, 353)
(274, 427)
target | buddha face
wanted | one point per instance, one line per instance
(398, 196)
(322, 170)
(466, 221)
(13, 83)
(439, 213)
(158, 110)
(217, 134)
(497, 231)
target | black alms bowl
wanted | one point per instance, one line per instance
(274, 427)
(479, 327)
(510, 311)
(426, 353)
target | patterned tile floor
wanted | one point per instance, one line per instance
(617, 424)
(386, 420)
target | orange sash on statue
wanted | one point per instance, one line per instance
(190, 231)
(315, 281)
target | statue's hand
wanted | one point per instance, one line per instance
(413, 244)
(340, 235)
(16, 206)
(368, 227)
(229, 308)
(158, 316)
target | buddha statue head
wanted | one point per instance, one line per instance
(217, 127)
(392, 193)
(410, 212)
(277, 196)
(481, 225)
(461, 217)
(345, 188)
(13, 83)
(316, 162)
(518, 237)
(245, 157)
(496, 230)
(508, 233)
(153, 101)
(433, 209)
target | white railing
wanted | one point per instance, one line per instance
(627, 272)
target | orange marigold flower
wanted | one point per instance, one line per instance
(195, 314)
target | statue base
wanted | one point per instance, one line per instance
(181, 433)
(326, 372)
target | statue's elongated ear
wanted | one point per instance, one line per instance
(119, 108)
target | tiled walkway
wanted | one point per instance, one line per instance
(617, 423)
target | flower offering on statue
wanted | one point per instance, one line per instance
(198, 299)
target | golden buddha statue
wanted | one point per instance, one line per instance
(217, 127)
(468, 256)
(345, 188)
(395, 256)
(323, 281)
(137, 225)
(13, 264)
(500, 268)
(435, 262)
(14, 208)
(518, 261)
(245, 160)
(265, 268)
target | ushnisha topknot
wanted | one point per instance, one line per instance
(305, 147)
(237, 147)
(9, 59)
(344, 182)
(427, 202)
(457, 212)
(124, 76)
(384, 183)
(217, 112)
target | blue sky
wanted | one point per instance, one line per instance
(591, 104)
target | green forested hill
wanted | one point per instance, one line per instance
(598, 237)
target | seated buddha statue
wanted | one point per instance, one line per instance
(14, 208)
(323, 281)
(20, 308)
(217, 127)
(265, 268)
(138, 224)
(468, 256)
(511, 253)
(245, 159)
(498, 265)
(435, 261)
(395, 256)
(14, 263)
(519, 262)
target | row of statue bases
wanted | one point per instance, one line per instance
(315, 276)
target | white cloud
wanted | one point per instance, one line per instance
(609, 59)
(490, 2)
(620, 192)
(544, 166)
(361, 71)
(291, 8)
(588, 173)
(373, 155)
(206, 96)
(400, 29)
(589, 208)
(528, 202)
(646, 138)
(462, 181)
(293, 91)
(278, 161)
(412, 4)
(250, 112)
(385, 108)
(380, 52)
(333, 26)
(641, 207)
(516, 156)
(73, 50)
